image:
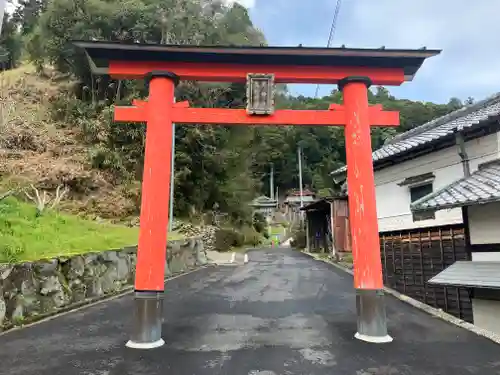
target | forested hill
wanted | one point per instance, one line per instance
(59, 114)
(323, 148)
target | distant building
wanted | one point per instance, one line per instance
(264, 205)
(292, 202)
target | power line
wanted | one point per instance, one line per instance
(332, 32)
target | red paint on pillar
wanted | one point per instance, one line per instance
(152, 247)
(361, 189)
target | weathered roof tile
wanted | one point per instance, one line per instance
(482, 186)
(436, 129)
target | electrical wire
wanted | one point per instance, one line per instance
(333, 27)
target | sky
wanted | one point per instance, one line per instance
(467, 32)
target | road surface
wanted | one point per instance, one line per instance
(283, 313)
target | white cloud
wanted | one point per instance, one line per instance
(245, 3)
(467, 32)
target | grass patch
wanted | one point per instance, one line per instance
(276, 230)
(347, 258)
(239, 249)
(24, 236)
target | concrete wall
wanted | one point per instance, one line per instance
(493, 256)
(35, 289)
(484, 223)
(393, 201)
(486, 314)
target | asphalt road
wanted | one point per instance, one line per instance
(282, 313)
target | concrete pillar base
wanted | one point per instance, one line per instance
(372, 320)
(147, 321)
(144, 345)
(373, 339)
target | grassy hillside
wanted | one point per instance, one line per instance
(26, 236)
(37, 149)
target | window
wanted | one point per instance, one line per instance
(417, 192)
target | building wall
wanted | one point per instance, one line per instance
(484, 223)
(410, 259)
(486, 256)
(486, 314)
(393, 201)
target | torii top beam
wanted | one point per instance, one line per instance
(231, 64)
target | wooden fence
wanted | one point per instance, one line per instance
(411, 258)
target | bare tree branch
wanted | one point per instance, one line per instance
(7, 194)
(39, 201)
(42, 200)
(59, 195)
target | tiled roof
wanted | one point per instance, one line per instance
(469, 274)
(436, 129)
(482, 186)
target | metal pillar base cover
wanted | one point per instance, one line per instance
(372, 320)
(147, 321)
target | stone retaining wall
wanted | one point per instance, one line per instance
(36, 289)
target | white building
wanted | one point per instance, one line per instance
(478, 197)
(427, 158)
(423, 227)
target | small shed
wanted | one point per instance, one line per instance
(327, 225)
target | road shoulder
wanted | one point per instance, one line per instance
(437, 313)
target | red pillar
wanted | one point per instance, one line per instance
(152, 248)
(372, 325)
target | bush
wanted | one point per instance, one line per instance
(226, 239)
(67, 108)
(252, 237)
(239, 239)
(259, 222)
(105, 159)
(299, 239)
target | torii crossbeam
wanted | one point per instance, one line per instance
(354, 70)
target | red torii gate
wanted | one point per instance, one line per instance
(354, 70)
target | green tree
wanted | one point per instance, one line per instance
(10, 43)
(27, 13)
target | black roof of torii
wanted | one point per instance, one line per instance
(100, 53)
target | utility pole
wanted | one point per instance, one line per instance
(172, 173)
(172, 160)
(299, 151)
(3, 4)
(271, 182)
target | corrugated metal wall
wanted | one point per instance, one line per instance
(411, 258)
(342, 232)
